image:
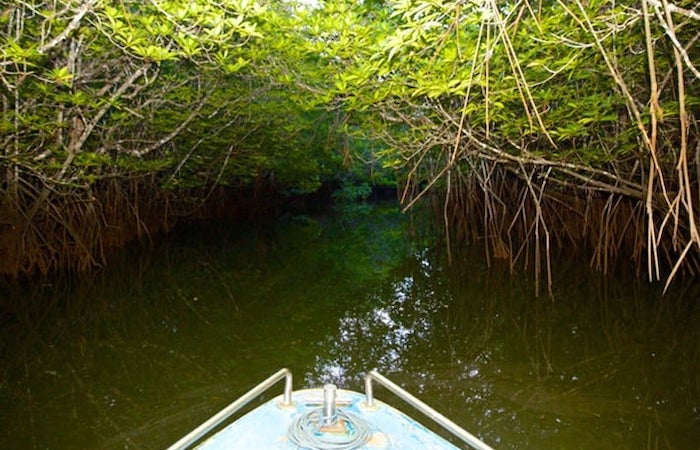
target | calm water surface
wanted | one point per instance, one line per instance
(136, 356)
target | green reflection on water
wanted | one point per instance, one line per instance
(136, 356)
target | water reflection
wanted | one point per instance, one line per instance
(382, 329)
(135, 357)
(523, 372)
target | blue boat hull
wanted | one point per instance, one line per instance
(267, 427)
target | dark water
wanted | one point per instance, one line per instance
(136, 356)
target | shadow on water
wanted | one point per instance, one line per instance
(135, 356)
(606, 365)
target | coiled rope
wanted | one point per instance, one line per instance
(305, 432)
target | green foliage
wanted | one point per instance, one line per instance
(177, 88)
(527, 79)
(352, 192)
(238, 91)
(350, 198)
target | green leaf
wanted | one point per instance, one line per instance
(61, 76)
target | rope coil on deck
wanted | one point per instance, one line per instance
(306, 432)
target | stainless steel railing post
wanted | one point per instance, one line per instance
(369, 390)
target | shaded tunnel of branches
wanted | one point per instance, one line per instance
(539, 127)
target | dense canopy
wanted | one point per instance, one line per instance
(533, 125)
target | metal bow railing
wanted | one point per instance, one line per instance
(231, 409)
(404, 395)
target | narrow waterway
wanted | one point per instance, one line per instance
(135, 356)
